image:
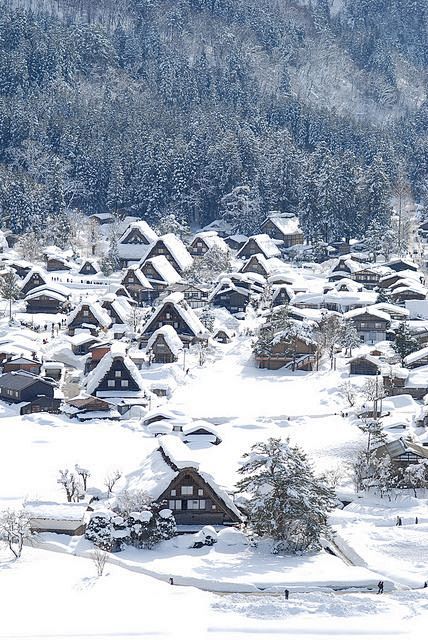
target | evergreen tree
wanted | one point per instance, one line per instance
(242, 208)
(285, 500)
(404, 342)
(10, 289)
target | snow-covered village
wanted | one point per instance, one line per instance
(213, 319)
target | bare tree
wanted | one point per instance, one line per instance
(349, 393)
(72, 485)
(111, 479)
(84, 474)
(15, 530)
(99, 558)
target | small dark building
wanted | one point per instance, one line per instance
(365, 366)
(47, 299)
(89, 268)
(281, 295)
(164, 345)
(41, 404)
(32, 280)
(284, 227)
(55, 263)
(24, 387)
(260, 243)
(138, 285)
(224, 336)
(22, 364)
(88, 315)
(230, 296)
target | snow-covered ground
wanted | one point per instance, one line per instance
(63, 597)
(53, 596)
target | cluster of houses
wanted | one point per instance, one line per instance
(101, 337)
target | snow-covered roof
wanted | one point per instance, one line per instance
(145, 230)
(163, 465)
(288, 224)
(103, 367)
(93, 263)
(177, 452)
(354, 313)
(177, 250)
(138, 275)
(211, 239)
(36, 270)
(170, 336)
(55, 291)
(96, 309)
(120, 306)
(164, 268)
(186, 313)
(265, 243)
(391, 309)
(416, 355)
(44, 510)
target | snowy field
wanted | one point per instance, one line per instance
(63, 599)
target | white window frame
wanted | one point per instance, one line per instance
(187, 490)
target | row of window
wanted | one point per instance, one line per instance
(371, 325)
(10, 392)
(112, 383)
(184, 505)
(187, 490)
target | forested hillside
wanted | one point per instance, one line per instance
(155, 106)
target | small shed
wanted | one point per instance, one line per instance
(55, 517)
(365, 365)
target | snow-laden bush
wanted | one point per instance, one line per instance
(206, 537)
(143, 529)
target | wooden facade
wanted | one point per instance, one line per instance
(288, 239)
(117, 378)
(364, 366)
(194, 502)
(370, 328)
(45, 303)
(161, 352)
(35, 280)
(169, 315)
(84, 318)
(57, 264)
(231, 299)
(367, 277)
(298, 356)
(15, 388)
(140, 292)
(22, 364)
(254, 265)
(160, 249)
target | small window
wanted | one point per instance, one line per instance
(193, 504)
(131, 280)
(173, 492)
(187, 490)
(85, 313)
(111, 383)
(200, 492)
(117, 374)
(124, 383)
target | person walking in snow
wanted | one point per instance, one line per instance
(286, 594)
(380, 586)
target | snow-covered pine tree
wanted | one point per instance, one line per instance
(285, 500)
(242, 208)
(404, 342)
(350, 338)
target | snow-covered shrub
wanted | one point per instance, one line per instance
(206, 537)
(231, 537)
(100, 530)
